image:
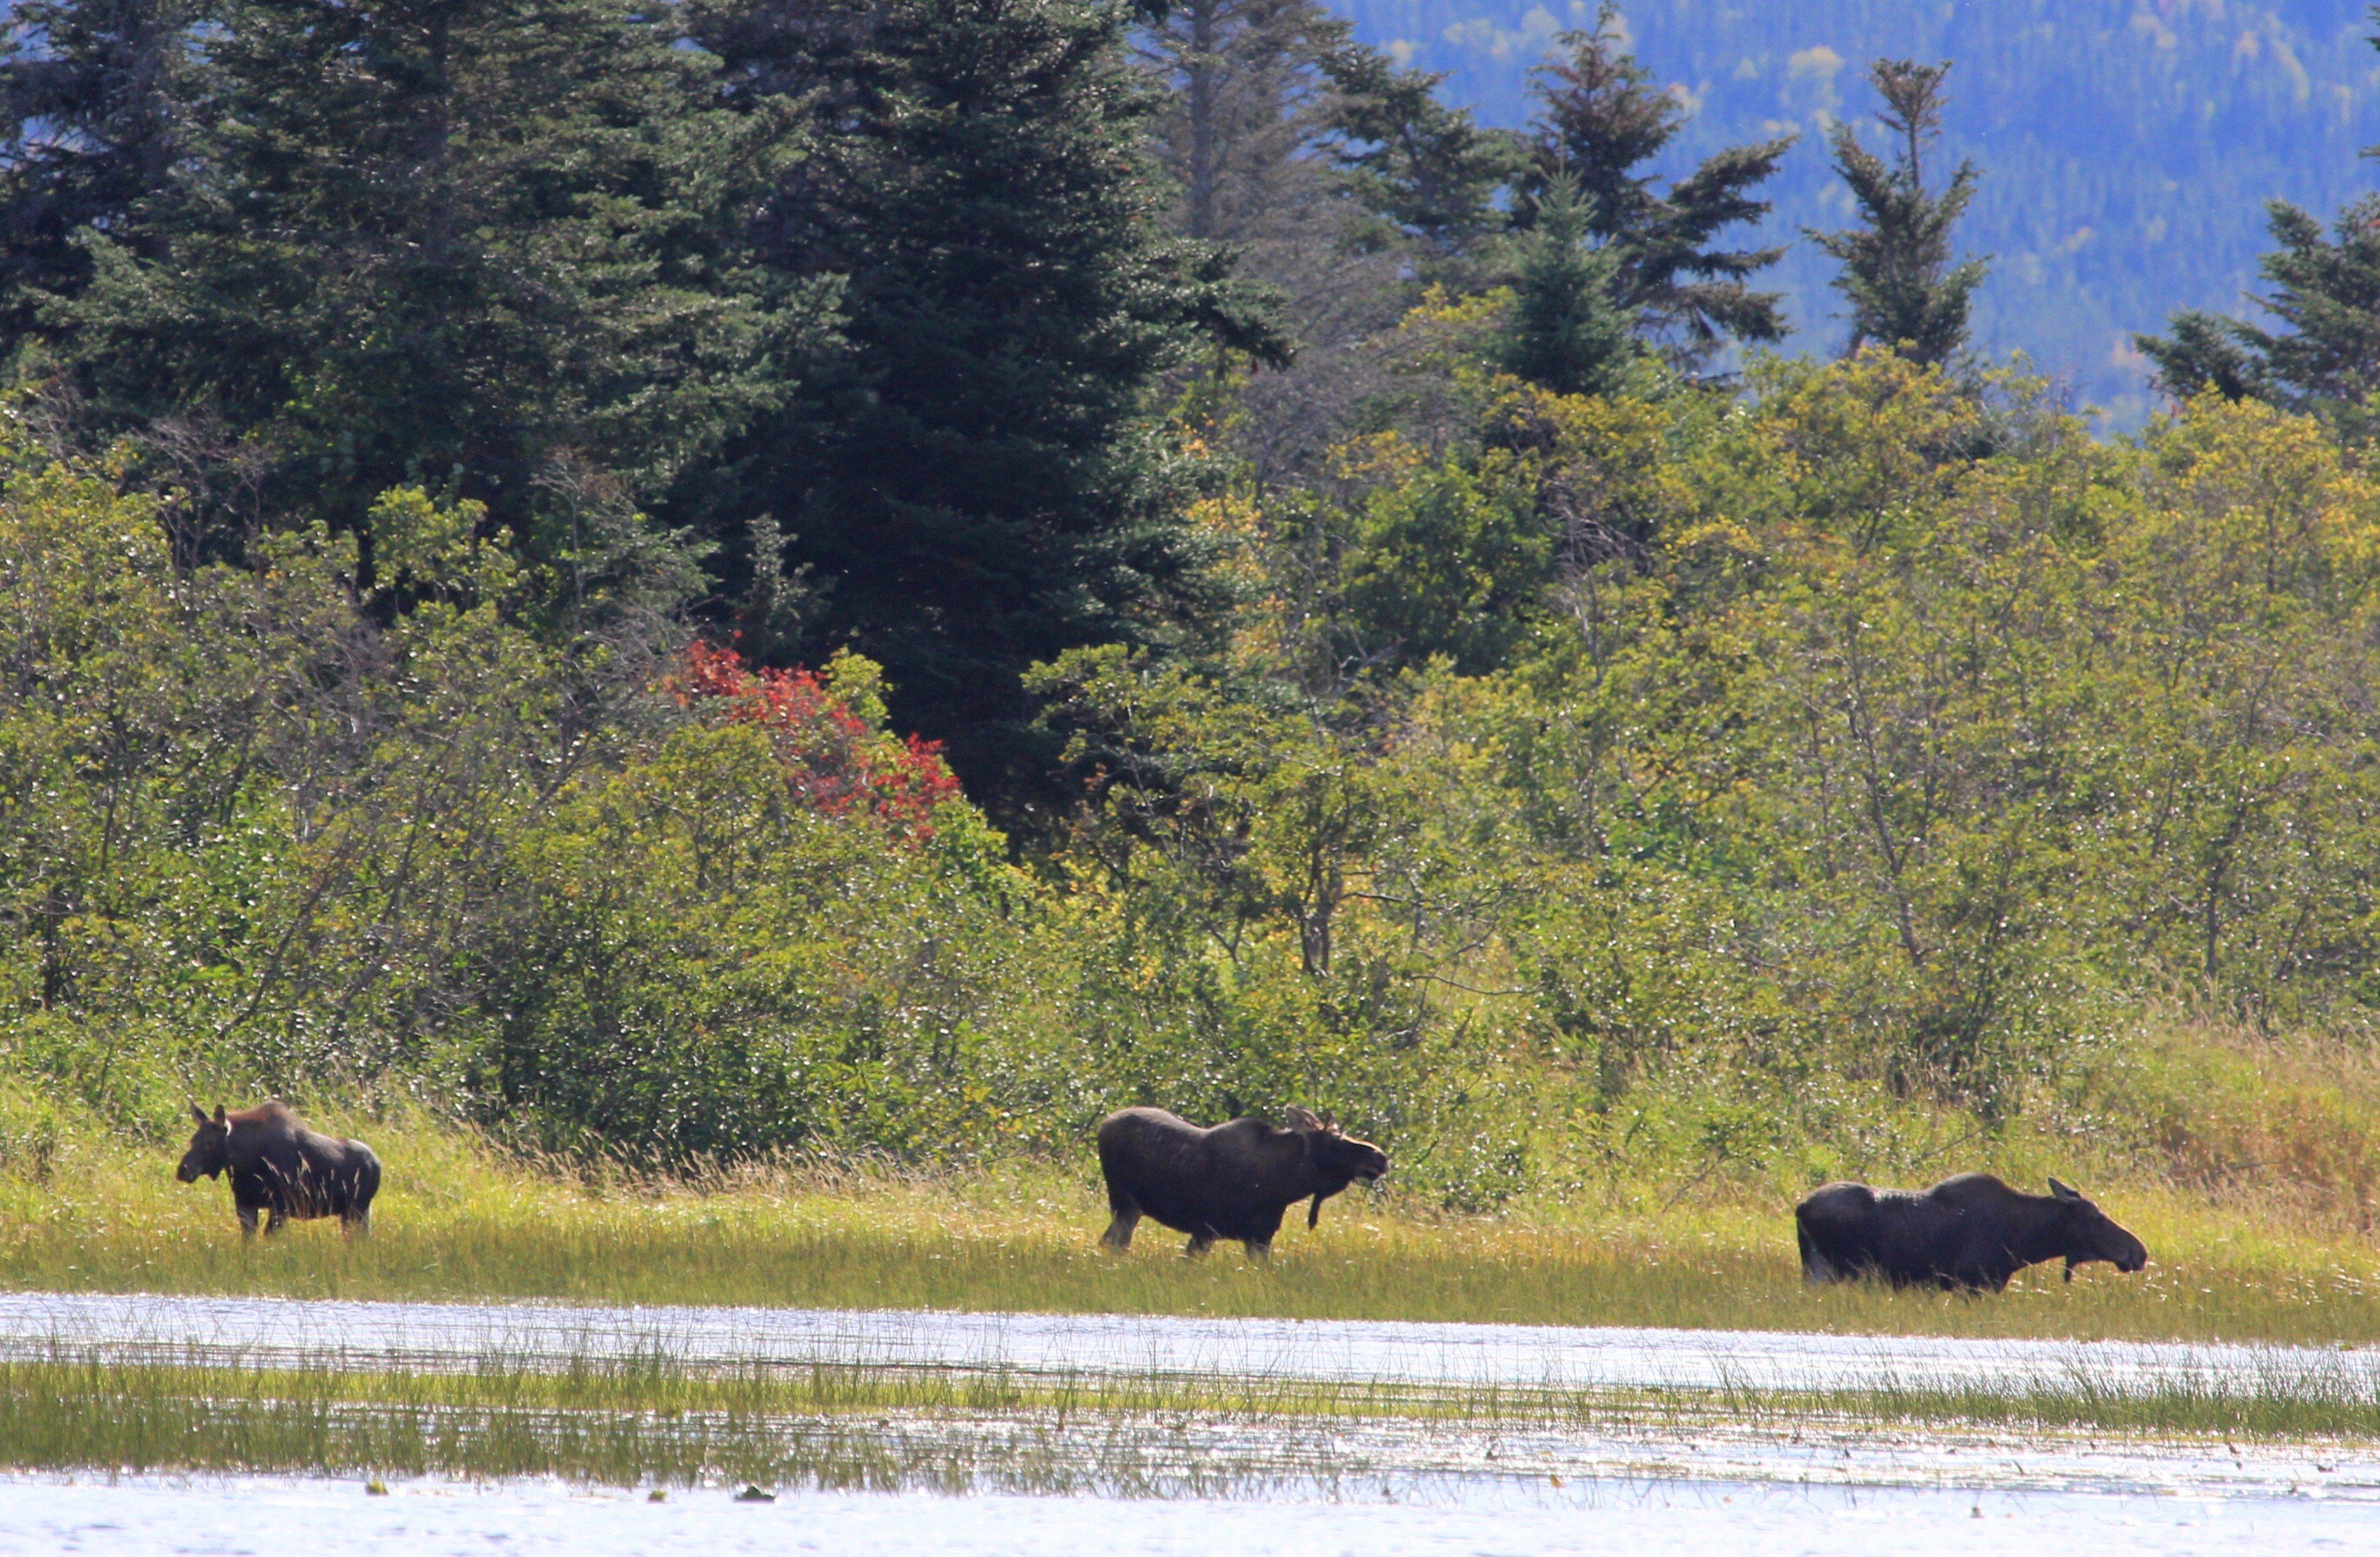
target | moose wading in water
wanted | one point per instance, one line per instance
(1234, 1181)
(280, 1167)
(1969, 1233)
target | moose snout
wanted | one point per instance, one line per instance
(2124, 1250)
(187, 1172)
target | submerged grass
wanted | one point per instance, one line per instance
(841, 1427)
(457, 1222)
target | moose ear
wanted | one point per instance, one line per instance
(218, 1115)
(1331, 1121)
(1301, 1119)
(198, 1113)
(2064, 1191)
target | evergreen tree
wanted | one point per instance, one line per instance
(439, 243)
(97, 96)
(976, 486)
(1600, 119)
(1567, 330)
(1245, 100)
(1243, 121)
(1430, 172)
(1897, 273)
(2327, 291)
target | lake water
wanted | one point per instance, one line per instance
(1379, 1486)
(429, 1519)
(433, 1335)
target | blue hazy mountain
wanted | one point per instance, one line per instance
(2128, 146)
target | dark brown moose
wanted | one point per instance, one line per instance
(1234, 1181)
(280, 1167)
(1968, 1234)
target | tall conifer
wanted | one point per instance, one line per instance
(96, 103)
(436, 242)
(2325, 289)
(1905, 295)
(976, 486)
(1600, 120)
(1245, 98)
(1431, 171)
(1568, 331)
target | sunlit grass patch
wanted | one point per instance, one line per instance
(457, 1223)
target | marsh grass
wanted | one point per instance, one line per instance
(629, 1422)
(459, 1222)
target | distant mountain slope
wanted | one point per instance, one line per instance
(2128, 145)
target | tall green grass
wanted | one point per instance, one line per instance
(459, 1223)
(629, 1422)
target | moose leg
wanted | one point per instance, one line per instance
(247, 1221)
(1126, 1217)
(1198, 1247)
(357, 1225)
(1258, 1251)
(273, 1220)
(1816, 1269)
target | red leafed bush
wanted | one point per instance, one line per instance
(838, 761)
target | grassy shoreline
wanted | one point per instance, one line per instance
(458, 1223)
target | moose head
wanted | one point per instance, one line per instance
(2086, 1232)
(210, 1151)
(1338, 1158)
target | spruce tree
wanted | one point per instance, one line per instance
(1905, 293)
(1430, 172)
(1600, 120)
(1245, 98)
(97, 96)
(2325, 289)
(1245, 111)
(440, 243)
(1567, 330)
(977, 484)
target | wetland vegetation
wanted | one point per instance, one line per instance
(463, 1222)
(889, 1429)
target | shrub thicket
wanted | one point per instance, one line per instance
(1873, 744)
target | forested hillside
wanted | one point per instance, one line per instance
(2127, 145)
(889, 575)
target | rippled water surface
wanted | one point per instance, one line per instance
(267, 1516)
(1336, 1350)
(1379, 1486)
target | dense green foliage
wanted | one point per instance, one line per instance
(456, 245)
(876, 292)
(1402, 687)
(1870, 741)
